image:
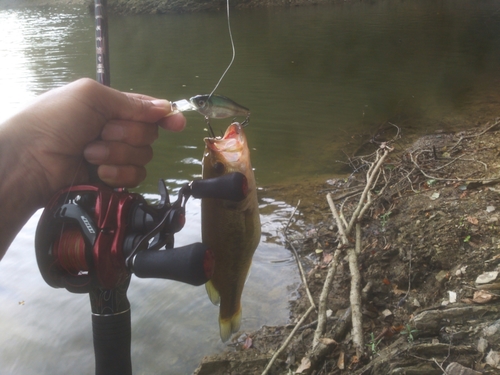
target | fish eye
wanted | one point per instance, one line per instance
(201, 103)
(219, 168)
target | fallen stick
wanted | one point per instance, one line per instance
(299, 265)
(287, 341)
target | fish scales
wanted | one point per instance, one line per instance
(230, 229)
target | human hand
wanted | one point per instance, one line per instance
(85, 119)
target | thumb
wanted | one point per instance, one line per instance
(135, 107)
(114, 104)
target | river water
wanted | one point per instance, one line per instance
(317, 80)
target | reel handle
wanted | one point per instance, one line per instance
(191, 264)
(231, 186)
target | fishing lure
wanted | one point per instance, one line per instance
(211, 106)
(215, 106)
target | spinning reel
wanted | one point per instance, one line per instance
(93, 234)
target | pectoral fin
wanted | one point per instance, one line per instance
(229, 326)
(213, 294)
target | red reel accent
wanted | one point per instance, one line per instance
(69, 250)
(62, 243)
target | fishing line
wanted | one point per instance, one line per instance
(232, 46)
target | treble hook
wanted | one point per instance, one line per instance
(246, 122)
(211, 131)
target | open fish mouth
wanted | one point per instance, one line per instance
(233, 141)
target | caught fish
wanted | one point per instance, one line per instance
(217, 106)
(230, 229)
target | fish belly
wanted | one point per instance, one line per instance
(233, 235)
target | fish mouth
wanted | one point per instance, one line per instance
(232, 141)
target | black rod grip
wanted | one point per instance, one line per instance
(191, 264)
(112, 344)
(231, 186)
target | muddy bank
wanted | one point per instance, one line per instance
(163, 6)
(430, 260)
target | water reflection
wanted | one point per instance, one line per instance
(41, 49)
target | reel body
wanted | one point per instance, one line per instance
(81, 235)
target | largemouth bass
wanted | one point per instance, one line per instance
(230, 229)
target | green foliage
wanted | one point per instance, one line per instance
(409, 331)
(373, 344)
(384, 218)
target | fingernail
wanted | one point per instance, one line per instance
(113, 132)
(162, 103)
(96, 152)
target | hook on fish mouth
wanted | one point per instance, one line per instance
(210, 129)
(246, 121)
(243, 124)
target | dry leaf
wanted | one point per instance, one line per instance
(327, 258)
(248, 343)
(305, 364)
(482, 296)
(472, 220)
(397, 291)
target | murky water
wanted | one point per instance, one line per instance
(312, 76)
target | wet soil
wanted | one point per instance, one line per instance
(425, 241)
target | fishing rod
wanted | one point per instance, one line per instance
(92, 238)
(111, 321)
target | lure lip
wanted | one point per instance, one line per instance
(181, 105)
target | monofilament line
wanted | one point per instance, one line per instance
(232, 46)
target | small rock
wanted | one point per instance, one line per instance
(452, 296)
(434, 196)
(442, 276)
(456, 368)
(461, 271)
(482, 345)
(487, 277)
(416, 303)
(492, 329)
(493, 359)
(492, 219)
(386, 313)
(490, 208)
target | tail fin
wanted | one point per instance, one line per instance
(229, 326)
(213, 294)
